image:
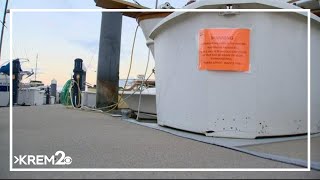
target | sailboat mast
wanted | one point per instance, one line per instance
(3, 24)
(35, 73)
(156, 4)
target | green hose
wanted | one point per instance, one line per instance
(65, 95)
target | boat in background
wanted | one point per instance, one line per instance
(4, 90)
(131, 96)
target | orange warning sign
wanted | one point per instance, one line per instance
(224, 49)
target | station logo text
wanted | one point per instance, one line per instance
(59, 159)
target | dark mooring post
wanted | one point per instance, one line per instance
(79, 76)
(109, 58)
(16, 69)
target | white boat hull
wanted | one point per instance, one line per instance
(30, 97)
(4, 99)
(148, 100)
(4, 90)
(147, 105)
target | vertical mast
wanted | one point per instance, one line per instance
(35, 73)
(156, 4)
(3, 24)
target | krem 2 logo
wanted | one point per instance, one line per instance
(59, 158)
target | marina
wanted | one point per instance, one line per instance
(162, 90)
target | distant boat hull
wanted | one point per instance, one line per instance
(147, 105)
(4, 90)
(30, 97)
(4, 99)
(148, 101)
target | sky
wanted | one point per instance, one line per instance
(60, 37)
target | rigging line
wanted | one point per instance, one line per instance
(25, 52)
(6, 40)
(114, 106)
(142, 84)
(3, 24)
(122, 100)
(131, 58)
(137, 2)
(129, 71)
(91, 60)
